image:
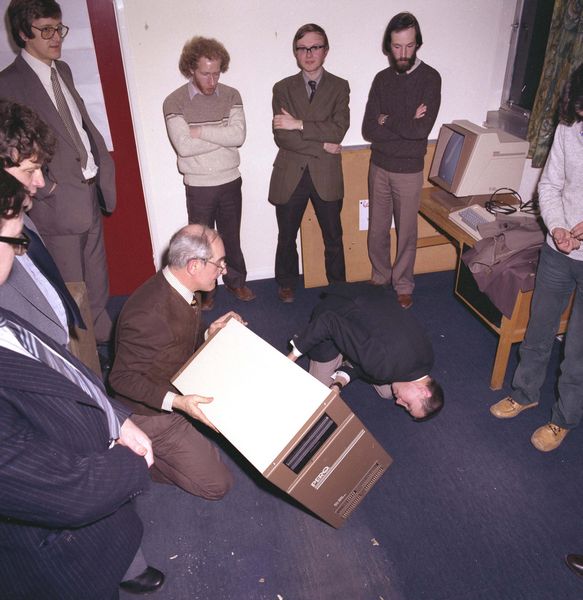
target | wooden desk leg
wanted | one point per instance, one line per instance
(501, 361)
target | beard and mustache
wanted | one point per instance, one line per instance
(402, 65)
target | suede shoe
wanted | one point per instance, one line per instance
(405, 300)
(575, 563)
(243, 293)
(548, 437)
(149, 580)
(286, 294)
(508, 408)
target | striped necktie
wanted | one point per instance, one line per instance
(37, 348)
(67, 118)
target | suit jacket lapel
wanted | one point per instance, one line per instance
(59, 350)
(41, 102)
(299, 94)
(23, 284)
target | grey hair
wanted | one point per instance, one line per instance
(191, 242)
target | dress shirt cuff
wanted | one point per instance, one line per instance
(167, 402)
(342, 377)
(295, 350)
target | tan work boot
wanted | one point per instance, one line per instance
(548, 437)
(508, 408)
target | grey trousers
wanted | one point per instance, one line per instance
(81, 257)
(395, 195)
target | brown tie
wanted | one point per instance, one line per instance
(312, 85)
(67, 118)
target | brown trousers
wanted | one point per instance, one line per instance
(184, 457)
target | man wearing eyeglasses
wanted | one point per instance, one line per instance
(81, 178)
(159, 329)
(311, 117)
(31, 286)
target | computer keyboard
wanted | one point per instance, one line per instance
(472, 217)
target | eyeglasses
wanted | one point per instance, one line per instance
(310, 50)
(221, 266)
(20, 243)
(48, 31)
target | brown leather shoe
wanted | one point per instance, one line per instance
(243, 293)
(548, 437)
(508, 408)
(286, 294)
(405, 300)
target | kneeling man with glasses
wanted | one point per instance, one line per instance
(158, 330)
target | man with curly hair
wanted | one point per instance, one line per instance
(206, 126)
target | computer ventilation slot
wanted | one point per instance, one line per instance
(360, 491)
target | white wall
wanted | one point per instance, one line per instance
(467, 41)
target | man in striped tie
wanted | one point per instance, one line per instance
(81, 172)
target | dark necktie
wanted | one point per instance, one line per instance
(37, 348)
(44, 262)
(312, 85)
(67, 118)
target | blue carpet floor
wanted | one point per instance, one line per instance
(469, 510)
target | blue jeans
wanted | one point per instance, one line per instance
(556, 278)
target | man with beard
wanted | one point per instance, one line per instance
(402, 107)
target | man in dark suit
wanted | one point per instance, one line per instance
(68, 213)
(159, 329)
(311, 117)
(71, 463)
(360, 331)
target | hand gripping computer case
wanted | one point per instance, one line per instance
(298, 433)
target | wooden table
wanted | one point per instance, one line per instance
(509, 330)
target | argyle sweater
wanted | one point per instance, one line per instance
(212, 159)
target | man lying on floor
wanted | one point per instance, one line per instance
(359, 331)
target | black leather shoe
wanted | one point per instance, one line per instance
(575, 563)
(148, 581)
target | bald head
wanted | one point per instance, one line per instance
(191, 242)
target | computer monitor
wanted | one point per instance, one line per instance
(470, 160)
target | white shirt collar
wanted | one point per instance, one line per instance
(177, 285)
(194, 91)
(42, 70)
